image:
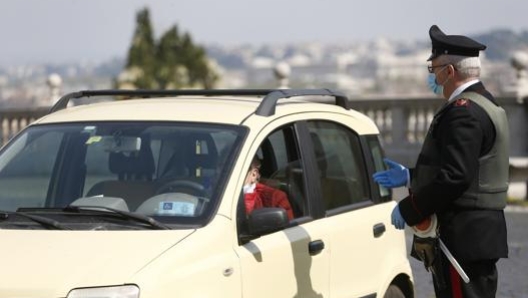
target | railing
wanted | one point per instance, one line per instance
(14, 120)
(403, 124)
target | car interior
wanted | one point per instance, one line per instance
(185, 165)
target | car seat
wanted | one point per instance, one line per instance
(134, 176)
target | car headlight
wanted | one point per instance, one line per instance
(127, 291)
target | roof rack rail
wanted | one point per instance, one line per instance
(266, 107)
(145, 93)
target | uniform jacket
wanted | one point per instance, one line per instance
(461, 133)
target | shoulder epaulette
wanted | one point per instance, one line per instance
(462, 102)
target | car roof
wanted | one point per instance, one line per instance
(201, 109)
(195, 109)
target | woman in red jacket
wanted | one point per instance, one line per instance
(258, 195)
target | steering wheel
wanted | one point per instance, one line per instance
(185, 186)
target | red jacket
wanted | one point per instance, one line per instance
(265, 196)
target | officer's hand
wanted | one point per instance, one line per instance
(397, 219)
(395, 176)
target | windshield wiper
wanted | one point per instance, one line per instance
(125, 214)
(44, 221)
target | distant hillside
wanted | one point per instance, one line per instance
(502, 43)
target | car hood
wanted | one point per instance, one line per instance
(51, 263)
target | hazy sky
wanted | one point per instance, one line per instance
(70, 30)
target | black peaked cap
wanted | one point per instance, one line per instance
(443, 44)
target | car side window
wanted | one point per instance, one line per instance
(281, 181)
(281, 167)
(341, 167)
(26, 172)
(377, 159)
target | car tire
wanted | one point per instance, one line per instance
(394, 292)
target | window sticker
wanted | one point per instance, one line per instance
(176, 208)
(93, 139)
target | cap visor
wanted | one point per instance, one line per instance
(431, 57)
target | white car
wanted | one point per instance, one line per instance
(144, 198)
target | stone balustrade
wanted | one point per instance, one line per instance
(13, 121)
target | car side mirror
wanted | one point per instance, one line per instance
(267, 220)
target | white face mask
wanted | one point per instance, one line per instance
(249, 188)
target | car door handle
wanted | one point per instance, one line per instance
(315, 247)
(378, 229)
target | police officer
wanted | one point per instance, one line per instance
(461, 174)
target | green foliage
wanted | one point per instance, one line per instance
(170, 70)
(172, 63)
(141, 55)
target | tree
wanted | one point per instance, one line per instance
(172, 63)
(171, 72)
(195, 60)
(141, 60)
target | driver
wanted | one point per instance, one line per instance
(258, 195)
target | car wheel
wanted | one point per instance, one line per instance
(394, 292)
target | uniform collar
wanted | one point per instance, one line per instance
(461, 88)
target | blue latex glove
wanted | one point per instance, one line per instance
(396, 176)
(397, 219)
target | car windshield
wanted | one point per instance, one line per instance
(171, 172)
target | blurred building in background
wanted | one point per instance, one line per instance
(380, 68)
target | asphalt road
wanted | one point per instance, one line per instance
(513, 272)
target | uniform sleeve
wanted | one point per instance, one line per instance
(459, 136)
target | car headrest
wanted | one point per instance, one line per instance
(202, 152)
(133, 166)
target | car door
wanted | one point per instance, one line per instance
(293, 262)
(357, 223)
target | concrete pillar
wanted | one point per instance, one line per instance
(282, 73)
(54, 82)
(518, 118)
(519, 61)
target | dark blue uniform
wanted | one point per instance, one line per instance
(460, 134)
